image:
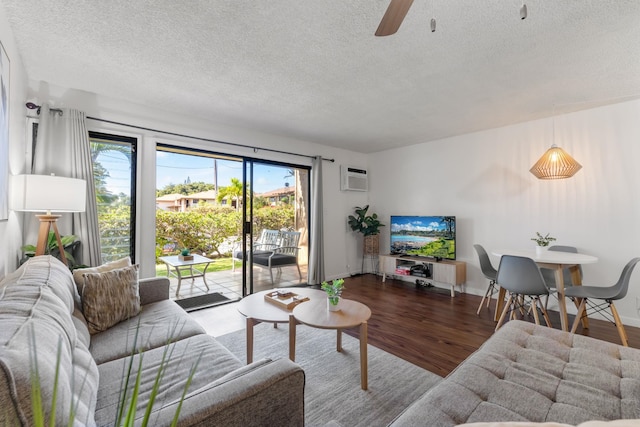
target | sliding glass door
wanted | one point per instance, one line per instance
(276, 225)
(218, 207)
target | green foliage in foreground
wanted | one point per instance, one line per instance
(127, 403)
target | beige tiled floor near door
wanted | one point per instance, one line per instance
(225, 318)
(229, 283)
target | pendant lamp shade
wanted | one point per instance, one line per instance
(555, 164)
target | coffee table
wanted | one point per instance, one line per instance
(186, 269)
(352, 314)
(257, 310)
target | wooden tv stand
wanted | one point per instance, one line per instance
(450, 273)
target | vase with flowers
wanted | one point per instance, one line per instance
(334, 291)
(542, 242)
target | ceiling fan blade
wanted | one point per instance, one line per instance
(393, 17)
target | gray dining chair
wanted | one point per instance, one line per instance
(608, 294)
(522, 279)
(489, 272)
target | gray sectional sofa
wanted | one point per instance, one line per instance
(526, 372)
(40, 315)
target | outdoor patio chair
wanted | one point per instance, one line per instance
(268, 240)
(283, 256)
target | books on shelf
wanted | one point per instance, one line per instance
(284, 299)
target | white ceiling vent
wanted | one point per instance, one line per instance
(353, 179)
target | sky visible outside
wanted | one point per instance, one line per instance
(173, 168)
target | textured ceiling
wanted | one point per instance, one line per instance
(313, 70)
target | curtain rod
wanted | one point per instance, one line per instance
(233, 144)
(32, 106)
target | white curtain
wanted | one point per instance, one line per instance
(62, 148)
(316, 251)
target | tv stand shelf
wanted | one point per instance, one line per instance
(448, 272)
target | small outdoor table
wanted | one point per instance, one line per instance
(186, 269)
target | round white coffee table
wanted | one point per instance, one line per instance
(352, 314)
(257, 310)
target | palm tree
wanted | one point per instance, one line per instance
(100, 174)
(233, 192)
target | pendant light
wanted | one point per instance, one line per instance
(555, 164)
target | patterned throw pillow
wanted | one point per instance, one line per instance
(109, 298)
(78, 273)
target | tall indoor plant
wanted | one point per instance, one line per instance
(369, 226)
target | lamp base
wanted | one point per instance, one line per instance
(46, 222)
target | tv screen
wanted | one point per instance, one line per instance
(428, 236)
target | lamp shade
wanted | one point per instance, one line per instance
(48, 193)
(555, 164)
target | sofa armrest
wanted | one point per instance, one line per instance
(153, 289)
(263, 394)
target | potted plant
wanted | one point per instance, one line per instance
(369, 226)
(69, 243)
(542, 242)
(185, 255)
(333, 290)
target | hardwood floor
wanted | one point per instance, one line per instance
(428, 328)
(424, 326)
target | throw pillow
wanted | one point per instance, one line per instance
(109, 298)
(113, 265)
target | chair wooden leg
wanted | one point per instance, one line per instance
(619, 325)
(534, 308)
(581, 311)
(504, 312)
(485, 297)
(547, 320)
(492, 290)
(521, 305)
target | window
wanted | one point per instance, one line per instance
(114, 160)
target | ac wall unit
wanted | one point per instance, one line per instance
(353, 179)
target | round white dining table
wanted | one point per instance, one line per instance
(556, 261)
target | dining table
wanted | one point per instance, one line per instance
(556, 261)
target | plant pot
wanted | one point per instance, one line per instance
(333, 303)
(372, 244)
(540, 250)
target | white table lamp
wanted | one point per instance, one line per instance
(48, 193)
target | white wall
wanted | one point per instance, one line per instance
(484, 180)
(341, 248)
(11, 230)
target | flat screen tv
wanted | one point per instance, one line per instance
(427, 236)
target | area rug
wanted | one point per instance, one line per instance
(332, 385)
(202, 301)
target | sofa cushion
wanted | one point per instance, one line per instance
(109, 298)
(156, 325)
(214, 362)
(78, 273)
(526, 372)
(36, 302)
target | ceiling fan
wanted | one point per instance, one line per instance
(393, 17)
